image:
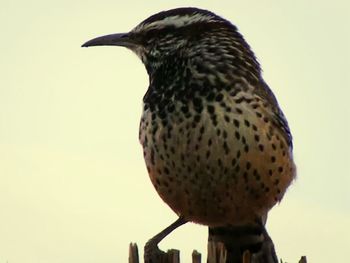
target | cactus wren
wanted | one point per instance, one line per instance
(216, 144)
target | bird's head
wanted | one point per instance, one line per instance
(183, 33)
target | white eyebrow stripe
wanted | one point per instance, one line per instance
(176, 21)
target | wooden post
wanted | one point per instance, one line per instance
(216, 254)
(196, 257)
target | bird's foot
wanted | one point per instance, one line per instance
(152, 253)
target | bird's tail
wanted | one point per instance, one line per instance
(237, 240)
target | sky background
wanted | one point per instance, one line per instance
(73, 184)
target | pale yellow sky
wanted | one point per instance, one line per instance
(73, 186)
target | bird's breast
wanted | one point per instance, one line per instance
(223, 164)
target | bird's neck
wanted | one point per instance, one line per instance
(168, 81)
(195, 71)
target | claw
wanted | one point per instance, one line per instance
(152, 253)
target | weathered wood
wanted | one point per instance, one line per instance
(196, 257)
(246, 257)
(133, 253)
(216, 254)
(159, 256)
(173, 256)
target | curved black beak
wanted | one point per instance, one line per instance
(120, 39)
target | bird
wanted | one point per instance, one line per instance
(217, 146)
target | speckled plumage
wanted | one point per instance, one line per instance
(217, 147)
(216, 144)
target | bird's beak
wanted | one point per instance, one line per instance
(120, 39)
